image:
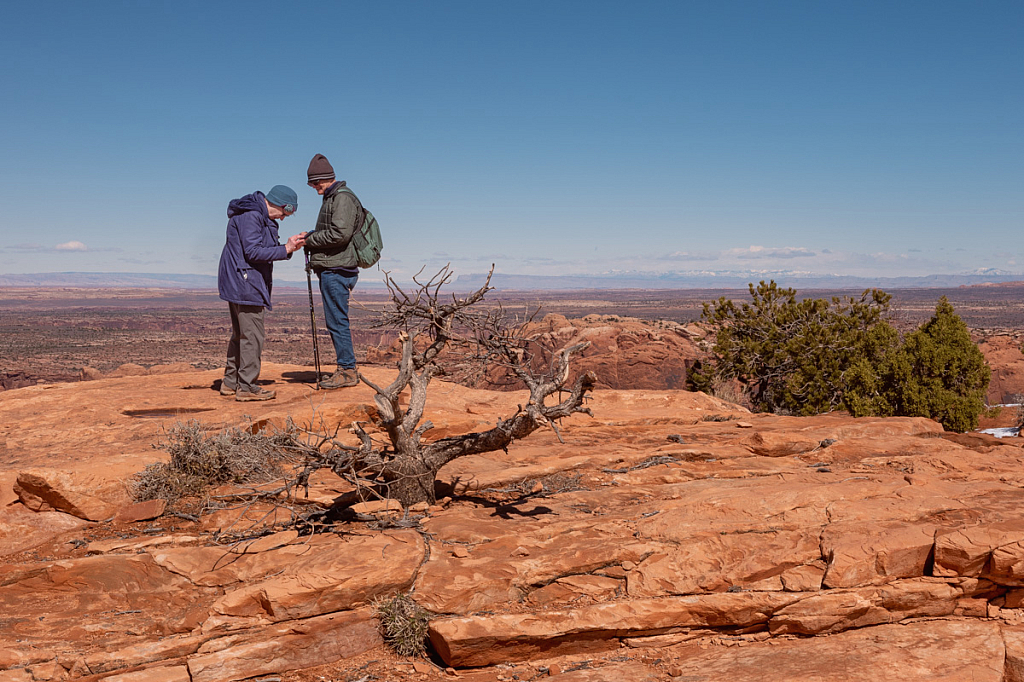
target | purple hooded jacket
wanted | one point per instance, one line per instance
(246, 268)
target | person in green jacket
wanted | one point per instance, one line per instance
(333, 259)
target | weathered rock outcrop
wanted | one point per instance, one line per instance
(672, 536)
(624, 352)
(1003, 354)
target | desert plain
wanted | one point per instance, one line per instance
(670, 536)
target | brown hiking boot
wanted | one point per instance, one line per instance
(256, 393)
(224, 390)
(343, 378)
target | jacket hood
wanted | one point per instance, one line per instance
(250, 202)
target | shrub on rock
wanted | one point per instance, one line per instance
(793, 355)
(815, 355)
(938, 373)
(403, 624)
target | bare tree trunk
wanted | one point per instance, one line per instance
(406, 470)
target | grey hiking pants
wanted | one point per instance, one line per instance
(245, 347)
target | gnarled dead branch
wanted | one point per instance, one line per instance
(433, 326)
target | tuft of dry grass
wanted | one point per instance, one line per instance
(403, 624)
(200, 461)
(542, 487)
(562, 483)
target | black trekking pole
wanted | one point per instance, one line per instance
(312, 319)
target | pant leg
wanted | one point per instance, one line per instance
(335, 289)
(251, 336)
(230, 380)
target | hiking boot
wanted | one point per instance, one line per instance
(343, 378)
(255, 393)
(224, 390)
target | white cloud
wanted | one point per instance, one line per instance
(884, 257)
(71, 246)
(758, 252)
(685, 256)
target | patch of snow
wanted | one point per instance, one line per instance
(1007, 432)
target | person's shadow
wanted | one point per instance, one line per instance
(300, 377)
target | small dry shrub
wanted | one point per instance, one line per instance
(200, 461)
(717, 418)
(561, 483)
(546, 485)
(403, 624)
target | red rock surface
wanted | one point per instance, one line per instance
(624, 352)
(1003, 354)
(671, 536)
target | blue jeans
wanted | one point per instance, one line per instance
(335, 289)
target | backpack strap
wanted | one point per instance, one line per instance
(361, 215)
(346, 190)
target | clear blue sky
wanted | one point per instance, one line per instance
(866, 138)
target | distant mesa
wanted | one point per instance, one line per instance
(727, 280)
(1008, 285)
(135, 280)
(109, 279)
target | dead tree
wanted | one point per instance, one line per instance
(465, 335)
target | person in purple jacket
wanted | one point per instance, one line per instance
(245, 278)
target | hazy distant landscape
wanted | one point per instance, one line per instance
(49, 334)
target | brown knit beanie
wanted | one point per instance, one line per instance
(320, 169)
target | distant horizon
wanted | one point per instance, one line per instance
(524, 282)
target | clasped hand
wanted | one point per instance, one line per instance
(296, 242)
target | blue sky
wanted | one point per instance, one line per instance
(862, 138)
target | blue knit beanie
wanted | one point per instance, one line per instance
(285, 197)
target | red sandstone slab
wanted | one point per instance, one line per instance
(487, 640)
(305, 644)
(831, 611)
(966, 552)
(924, 651)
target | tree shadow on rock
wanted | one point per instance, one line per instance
(506, 510)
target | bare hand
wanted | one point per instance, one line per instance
(295, 242)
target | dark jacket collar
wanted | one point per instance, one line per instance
(334, 189)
